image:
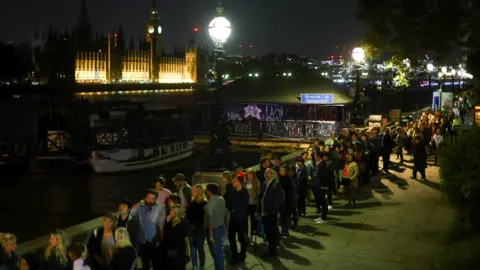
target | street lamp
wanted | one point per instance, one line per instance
(454, 73)
(358, 54)
(219, 30)
(444, 71)
(430, 68)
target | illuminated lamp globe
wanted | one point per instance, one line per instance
(219, 29)
(151, 29)
(358, 54)
(444, 69)
(159, 29)
(430, 67)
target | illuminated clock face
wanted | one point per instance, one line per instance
(151, 29)
(159, 29)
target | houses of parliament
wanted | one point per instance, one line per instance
(106, 59)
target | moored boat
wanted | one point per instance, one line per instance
(133, 159)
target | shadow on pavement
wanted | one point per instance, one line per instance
(307, 242)
(356, 226)
(286, 254)
(434, 185)
(401, 183)
(310, 230)
(342, 212)
(397, 167)
(363, 205)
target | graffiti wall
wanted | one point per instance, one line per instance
(279, 121)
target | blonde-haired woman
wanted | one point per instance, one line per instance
(251, 183)
(8, 257)
(173, 242)
(55, 255)
(124, 256)
(101, 241)
(197, 227)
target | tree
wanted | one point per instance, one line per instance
(410, 28)
(459, 171)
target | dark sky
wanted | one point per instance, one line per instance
(305, 27)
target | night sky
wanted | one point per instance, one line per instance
(305, 27)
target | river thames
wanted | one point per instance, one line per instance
(35, 205)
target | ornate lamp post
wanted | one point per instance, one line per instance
(444, 72)
(430, 68)
(358, 54)
(219, 30)
(453, 73)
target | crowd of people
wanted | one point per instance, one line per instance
(166, 229)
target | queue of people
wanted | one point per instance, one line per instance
(164, 228)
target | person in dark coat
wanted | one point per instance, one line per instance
(30, 261)
(264, 164)
(301, 178)
(128, 221)
(55, 254)
(272, 200)
(173, 243)
(325, 180)
(289, 208)
(237, 205)
(8, 256)
(387, 146)
(101, 240)
(419, 158)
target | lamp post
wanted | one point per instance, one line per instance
(358, 54)
(430, 68)
(444, 72)
(219, 30)
(453, 72)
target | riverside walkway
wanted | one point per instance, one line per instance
(398, 223)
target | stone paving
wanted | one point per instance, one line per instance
(398, 223)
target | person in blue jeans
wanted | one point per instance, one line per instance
(216, 215)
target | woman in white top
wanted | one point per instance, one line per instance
(438, 140)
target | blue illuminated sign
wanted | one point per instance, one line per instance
(316, 98)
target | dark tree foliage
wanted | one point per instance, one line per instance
(460, 173)
(15, 62)
(413, 27)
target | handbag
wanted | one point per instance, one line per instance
(345, 181)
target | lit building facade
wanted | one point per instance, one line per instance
(147, 64)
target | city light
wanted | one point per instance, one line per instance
(430, 67)
(219, 30)
(358, 54)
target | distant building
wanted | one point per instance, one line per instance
(106, 59)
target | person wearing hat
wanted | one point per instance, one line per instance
(184, 190)
(128, 221)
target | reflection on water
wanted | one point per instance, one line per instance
(34, 205)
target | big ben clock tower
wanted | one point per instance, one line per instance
(153, 38)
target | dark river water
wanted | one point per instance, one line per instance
(35, 205)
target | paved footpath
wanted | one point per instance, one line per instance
(398, 223)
